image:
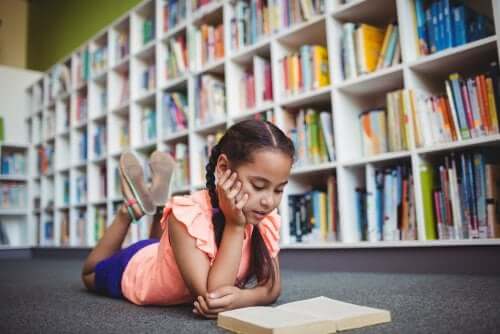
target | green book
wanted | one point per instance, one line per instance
(427, 182)
(1, 130)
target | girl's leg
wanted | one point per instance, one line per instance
(108, 245)
(156, 231)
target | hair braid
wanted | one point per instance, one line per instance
(218, 216)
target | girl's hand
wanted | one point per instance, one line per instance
(231, 198)
(222, 299)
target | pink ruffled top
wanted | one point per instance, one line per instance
(152, 276)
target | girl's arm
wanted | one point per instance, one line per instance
(194, 264)
(263, 294)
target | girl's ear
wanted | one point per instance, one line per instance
(221, 166)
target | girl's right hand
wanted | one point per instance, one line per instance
(231, 198)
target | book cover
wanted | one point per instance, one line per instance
(313, 316)
(427, 184)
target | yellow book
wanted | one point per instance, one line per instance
(385, 43)
(492, 105)
(321, 76)
(323, 223)
(313, 129)
(369, 39)
(296, 73)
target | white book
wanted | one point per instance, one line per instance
(371, 209)
(259, 65)
(453, 110)
(319, 315)
(387, 229)
(456, 206)
(327, 129)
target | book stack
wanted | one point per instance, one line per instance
(441, 24)
(13, 163)
(460, 197)
(99, 60)
(175, 112)
(305, 70)
(207, 45)
(313, 215)
(148, 124)
(367, 48)
(210, 104)
(313, 137)
(174, 11)
(256, 84)
(250, 22)
(13, 195)
(176, 57)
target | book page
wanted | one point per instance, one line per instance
(261, 319)
(346, 316)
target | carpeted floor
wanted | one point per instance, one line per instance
(46, 296)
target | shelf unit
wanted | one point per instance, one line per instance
(116, 100)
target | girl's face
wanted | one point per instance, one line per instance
(264, 180)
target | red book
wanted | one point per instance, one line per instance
(468, 108)
(268, 83)
(482, 106)
(482, 80)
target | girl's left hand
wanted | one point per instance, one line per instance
(222, 299)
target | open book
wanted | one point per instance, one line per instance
(319, 315)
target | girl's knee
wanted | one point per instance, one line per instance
(89, 281)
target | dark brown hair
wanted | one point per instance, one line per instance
(239, 143)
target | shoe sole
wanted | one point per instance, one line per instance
(162, 169)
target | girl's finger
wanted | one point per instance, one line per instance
(198, 309)
(240, 204)
(219, 304)
(234, 190)
(229, 182)
(224, 177)
(204, 306)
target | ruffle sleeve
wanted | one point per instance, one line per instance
(269, 228)
(197, 222)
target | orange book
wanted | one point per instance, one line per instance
(296, 73)
(450, 118)
(483, 106)
(284, 66)
(446, 116)
(492, 105)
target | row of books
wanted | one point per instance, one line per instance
(256, 84)
(312, 136)
(100, 140)
(313, 216)
(210, 141)
(174, 12)
(49, 124)
(440, 24)
(13, 195)
(148, 79)
(81, 111)
(367, 48)
(82, 146)
(99, 61)
(180, 178)
(45, 159)
(101, 218)
(305, 70)
(385, 207)
(122, 46)
(175, 112)
(13, 163)
(460, 196)
(206, 45)
(59, 81)
(82, 66)
(81, 189)
(176, 57)
(148, 124)
(250, 22)
(211, 104)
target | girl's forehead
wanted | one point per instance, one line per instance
(272, 165)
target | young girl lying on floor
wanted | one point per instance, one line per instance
(204, 247)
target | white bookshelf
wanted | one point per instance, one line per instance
(344, 98)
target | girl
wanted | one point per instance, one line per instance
(212, 242)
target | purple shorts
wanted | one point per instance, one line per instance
(109, 272)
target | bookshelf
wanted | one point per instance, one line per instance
(147, 68)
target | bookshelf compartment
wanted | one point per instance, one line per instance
(174, 113)
(98, 140)
(63, 152)
(143, 71)
(174, 58)
(143, 31)
(98, 182)
(174, 16)
(119, 88)
(145, 115)
(120, 42)
(119, 133)
(63, 116)
(96, 225)
(209, 99)
(80, 146)
(79, 186)
(78, 227)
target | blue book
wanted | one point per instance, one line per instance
(360, 212)
(448, 26)
(479, 170)
(465, 196)
(391, 47)
(435, 25)
(459, 106)
(421, 27)
(379, 202)
(440, 14)
(459, 28)
(430, 31)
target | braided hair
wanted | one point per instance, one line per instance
(239, 143)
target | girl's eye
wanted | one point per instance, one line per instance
(257, 187)
(279, 191)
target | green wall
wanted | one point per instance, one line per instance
(57, 27)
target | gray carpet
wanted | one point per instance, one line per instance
(46, 296)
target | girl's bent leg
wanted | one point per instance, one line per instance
(109, 244)
(156, 231)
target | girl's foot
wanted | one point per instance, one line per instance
(162, 167)
(137, 197)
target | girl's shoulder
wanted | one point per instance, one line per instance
(199, 200)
